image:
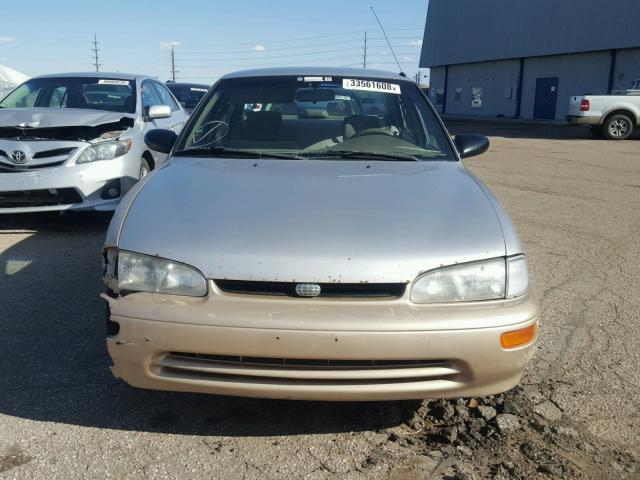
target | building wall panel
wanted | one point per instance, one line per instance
(498, 81)
(436, 85)
(470, 31)
(627, 68)
(578, 74)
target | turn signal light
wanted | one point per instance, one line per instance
(518, 338)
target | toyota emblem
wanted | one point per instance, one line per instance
(308, 289)
(19, 157)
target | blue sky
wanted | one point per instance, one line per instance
(211, 37)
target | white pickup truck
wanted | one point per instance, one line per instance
(613, 116)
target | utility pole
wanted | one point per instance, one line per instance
(173, 63)
(95, 51)
(364, 57)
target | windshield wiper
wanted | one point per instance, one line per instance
(231, 152)
(354, 155)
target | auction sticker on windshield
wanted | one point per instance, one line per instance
(370, 86)
(113, 82)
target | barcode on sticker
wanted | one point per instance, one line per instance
(370, 86)
(318, 79)
(113, 82)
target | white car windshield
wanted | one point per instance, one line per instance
(110, 94)
(315, 117)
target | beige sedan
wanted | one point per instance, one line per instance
(299, 246)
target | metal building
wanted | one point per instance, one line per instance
(526, 58)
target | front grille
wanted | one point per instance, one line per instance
(39, 198)
(333, 290)
(57, 152)
(54, 155)
(291, 371)
(306, 363)
(12, 168)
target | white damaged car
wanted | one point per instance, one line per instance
(76, 141)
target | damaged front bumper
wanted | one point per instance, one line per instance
(43, 164)
(239, 345)
(90, 186)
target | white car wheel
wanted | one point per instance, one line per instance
(144, 169)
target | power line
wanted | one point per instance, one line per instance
(251, 51)
(233, 64)
(316, 37)
(221, 59)
(95, 51)
(250, 63)
(266, 57)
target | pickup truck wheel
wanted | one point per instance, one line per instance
(618, 127)
(597, 131)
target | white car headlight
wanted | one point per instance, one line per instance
(486, 280)
(104, 151)
(143, 273)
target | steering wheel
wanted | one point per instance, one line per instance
(208, 129)
(374, 131)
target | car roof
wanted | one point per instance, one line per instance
(121, 76)
(316, 71)
(187, 84)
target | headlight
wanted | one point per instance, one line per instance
(517, 276)
(104, 151)
(487, 280)
(143, 273)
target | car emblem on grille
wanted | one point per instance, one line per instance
(308, 289)
(19, 157)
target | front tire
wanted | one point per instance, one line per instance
(618, 127)
(144, 169)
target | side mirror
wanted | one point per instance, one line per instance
(159, 111)
(160, 140)
(471, 144)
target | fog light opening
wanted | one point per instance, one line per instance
(113, 328)
(111, 190)
(519, 338)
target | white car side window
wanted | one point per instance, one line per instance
(165, 96)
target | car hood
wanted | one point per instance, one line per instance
(57, 117)
(313, 221)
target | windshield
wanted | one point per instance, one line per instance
(114, 95)
(188, 95)
(315, 117)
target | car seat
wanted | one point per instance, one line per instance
(357, 123)
(263, 125)
(76, 100)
